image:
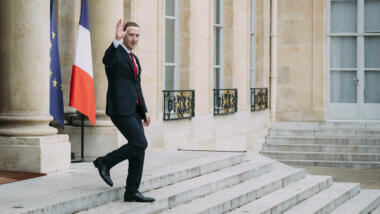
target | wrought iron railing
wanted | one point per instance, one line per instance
(178, 104)
(225, 101)
(259, 99)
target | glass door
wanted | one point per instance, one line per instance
(354, 60)
(343, 65)
(370, 109)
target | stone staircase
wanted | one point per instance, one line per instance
(222, 183)
(355, 145)
(255, 185)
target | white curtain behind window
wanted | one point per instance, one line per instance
(372, 51)
(372, 16)
(372, 87)
(343, 52)
(345, 90)
(170, 44)
(343, 16)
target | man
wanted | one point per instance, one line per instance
(126, 107)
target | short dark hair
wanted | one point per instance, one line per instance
(134, 24)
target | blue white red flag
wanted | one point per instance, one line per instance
(82, 96)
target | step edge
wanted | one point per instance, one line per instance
(319, 183)
(294, 172)
(115, 190)
(370, 206)
(265, 167)
(351, 191)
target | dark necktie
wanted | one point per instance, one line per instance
(134, 72)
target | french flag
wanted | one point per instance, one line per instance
(82, 96)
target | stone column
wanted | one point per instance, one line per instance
(201, 74)
(27, 142)
(228, 38)
(103, 138)
(273, 73)
(241, 52)
(184, 44)
(150, 15)
(67, 23)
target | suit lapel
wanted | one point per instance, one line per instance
(127, 57)
(129, 61)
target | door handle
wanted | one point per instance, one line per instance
(356, 80)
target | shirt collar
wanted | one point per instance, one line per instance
(125, 48)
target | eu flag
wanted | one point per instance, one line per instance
(56, 87)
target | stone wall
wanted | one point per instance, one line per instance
(243, 130)
(301, 60)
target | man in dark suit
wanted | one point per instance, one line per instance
(126, 107)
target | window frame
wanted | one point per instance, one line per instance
(218, 82)
(252, 37)
(360, 68)
(175, 54)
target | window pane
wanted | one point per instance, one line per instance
(217, 5)
(253, 44)
(169, 40)
(170, 7)
(216, 78)
(253, 50)
(372, 16)
(169, 77)
(217, 51)
(252, 60)
(343, 87)
(343, 16)
(253, 79)
(343, 52)
(372, 51)
(253, 13)
(372, 87)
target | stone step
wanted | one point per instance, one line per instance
(185, 191)
(238, 195)
(327, 125)
(323, 140)
(321, 148)
(327, 200)
(325, 133)
(285, 198)
(363, 203)
(362, 157)
(338, 164)
(376, 211)
(93, 194)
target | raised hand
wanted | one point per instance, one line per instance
(120, 33)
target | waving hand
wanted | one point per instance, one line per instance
(120, 33)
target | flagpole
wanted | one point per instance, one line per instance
(82, 138)
(81, 159)
(82, 74)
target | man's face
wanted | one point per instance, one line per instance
(132, 37)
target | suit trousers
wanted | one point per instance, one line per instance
(132, 129)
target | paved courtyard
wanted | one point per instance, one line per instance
(368, 178)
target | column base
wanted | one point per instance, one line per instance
(43, 154)
(98, 140)
(26, 125)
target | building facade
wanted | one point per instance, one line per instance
(314, 60)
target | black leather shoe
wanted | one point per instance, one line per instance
(137, 197)
(104, 172)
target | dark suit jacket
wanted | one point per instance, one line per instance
(123, 89)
